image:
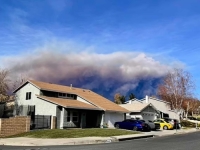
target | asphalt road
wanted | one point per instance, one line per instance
(176, 142)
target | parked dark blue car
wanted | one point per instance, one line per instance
(132, 125)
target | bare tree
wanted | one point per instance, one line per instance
(15, 84)
(119, 99)
(194, 106)
(176, 87)
(7, 85)
(4, 85)
(18, 82)
(188, 104)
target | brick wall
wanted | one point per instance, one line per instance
(14, 125)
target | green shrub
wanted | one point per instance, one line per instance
(185, 123)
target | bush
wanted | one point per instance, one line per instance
(185, 123)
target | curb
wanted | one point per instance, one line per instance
(178, 133)
(136, 137)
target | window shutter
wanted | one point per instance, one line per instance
(29, 95)
(26, 95)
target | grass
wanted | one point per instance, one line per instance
(74, 133)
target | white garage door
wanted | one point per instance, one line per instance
(148, 116)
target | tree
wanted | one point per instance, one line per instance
(188, 105)
(195, 106)
(131, 96)
(176, 87)
(15, 84)
(119, 99)
(4, 85)
(122, 99)
(7, 85)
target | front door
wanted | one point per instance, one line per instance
(83, 120)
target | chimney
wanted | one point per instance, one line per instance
(147, 99)
(70, 86)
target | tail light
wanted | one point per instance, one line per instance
(143, 124)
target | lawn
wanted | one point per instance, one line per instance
(74, 133)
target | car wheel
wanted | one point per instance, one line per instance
(165, 128)
(135, 128)
(117, 126)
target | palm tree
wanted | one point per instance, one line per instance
(122, 99)
(131, 96)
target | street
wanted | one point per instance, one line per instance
(176, 142)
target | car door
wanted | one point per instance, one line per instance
(127, 124)
(160, 122)
(123, 124)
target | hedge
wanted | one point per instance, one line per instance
(185, 123)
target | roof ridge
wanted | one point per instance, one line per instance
(58, 84)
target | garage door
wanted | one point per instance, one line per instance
(148, 116)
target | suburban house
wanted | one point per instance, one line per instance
(139, 110)
(161, 106)
(73, 107)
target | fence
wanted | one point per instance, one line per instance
(41, 122)
(14, 125)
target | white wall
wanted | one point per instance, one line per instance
(160, 105)
(41, 107)
(112, 117)
(21, 94)
(82, 100)
(163, 107)
(173, 115)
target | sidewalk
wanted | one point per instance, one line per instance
(172, 132)
(23, 141)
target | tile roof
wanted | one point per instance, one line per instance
(134, 107)
(90, 96)
(68, 103)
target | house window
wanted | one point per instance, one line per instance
(75, 117)
(61, 95)
(28, 95)
(68, 116)
(72, 116)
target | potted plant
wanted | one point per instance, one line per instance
(105, 125)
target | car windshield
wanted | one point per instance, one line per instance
(168, 121)
(141, 120)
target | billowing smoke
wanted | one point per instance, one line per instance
(106, 74)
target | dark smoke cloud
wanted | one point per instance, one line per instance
(106, 74)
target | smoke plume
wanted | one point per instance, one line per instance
(106, 74)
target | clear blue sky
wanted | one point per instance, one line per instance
(167, 30)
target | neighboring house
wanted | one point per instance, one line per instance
(73, 107)
(162, 106)
(7, 107)
(139, 110)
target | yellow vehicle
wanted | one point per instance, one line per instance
(163, 124)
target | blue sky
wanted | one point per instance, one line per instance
(167, 30)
